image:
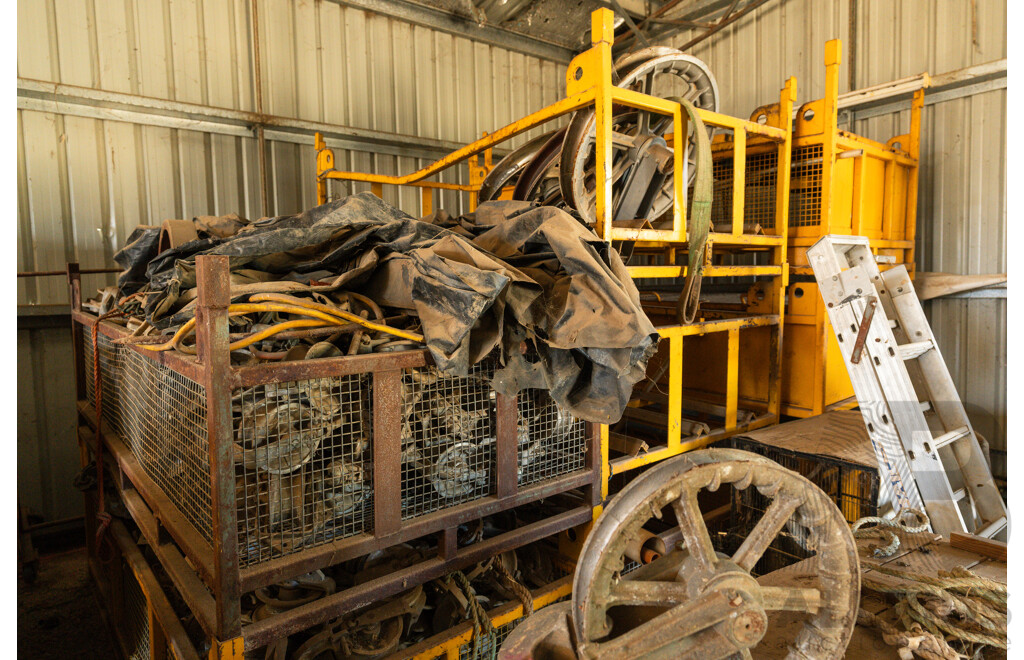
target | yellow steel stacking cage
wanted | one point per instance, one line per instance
(840, 183)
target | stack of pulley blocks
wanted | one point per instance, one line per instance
(250, 480)
(840, 183)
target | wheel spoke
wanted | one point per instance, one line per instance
(791, 599)
(767, 528)
(642, 592)
(695, 533)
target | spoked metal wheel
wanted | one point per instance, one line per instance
(657, 71)
(697, 603)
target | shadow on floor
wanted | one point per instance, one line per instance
(58, 615)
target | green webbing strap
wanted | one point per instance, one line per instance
(698, 220)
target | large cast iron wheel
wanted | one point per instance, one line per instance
(697, 603)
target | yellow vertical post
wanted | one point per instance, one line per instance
(427, 200)
(603, 35)
(858, 193)
(739, 170)
(732, 379)
(910, 233)
(675, 391)
(324, 163)
(833, 57)
(787, 97)
(377, 189)
(680, 126)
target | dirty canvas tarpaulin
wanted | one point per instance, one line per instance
(531, 281)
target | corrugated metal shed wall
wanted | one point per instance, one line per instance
(962, 194)
(85, 183)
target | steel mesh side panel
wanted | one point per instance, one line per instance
(759, 192)
(304, 474)
(551, 442)
(487, 647)
(852, 487)
(163, 420)
(805, 187)
(136, 617)
(110, 368)
(448, 436)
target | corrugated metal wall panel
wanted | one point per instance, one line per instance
(85, 183)
(962, 193)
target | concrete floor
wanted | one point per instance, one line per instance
(59, 616)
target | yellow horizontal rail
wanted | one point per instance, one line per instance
(637, 272)
(553, 111)
(705, 327)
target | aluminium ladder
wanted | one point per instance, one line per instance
(927, 452)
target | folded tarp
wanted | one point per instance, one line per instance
(530, 281)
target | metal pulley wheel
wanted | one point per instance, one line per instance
(509, 167)
(697, 603)
(641, 158)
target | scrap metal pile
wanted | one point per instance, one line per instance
(515, 298)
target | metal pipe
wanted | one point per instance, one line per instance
(261, 144)
(53, 273)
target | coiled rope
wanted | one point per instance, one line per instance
(954, 607)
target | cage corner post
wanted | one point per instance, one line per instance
(213, 350)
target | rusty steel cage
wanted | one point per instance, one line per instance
(256, 474)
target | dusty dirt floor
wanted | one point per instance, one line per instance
(58, 615)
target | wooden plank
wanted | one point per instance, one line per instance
(979, 545)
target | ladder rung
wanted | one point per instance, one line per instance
(949, 438)
(959, 494)
(925, 406)
(915, 349)
(992, 528)
(893, 324)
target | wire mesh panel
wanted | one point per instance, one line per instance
(135, 620)
(759, 192)
(551, 442)
(163, 421)
(853, 487)
(805, 187)
(488, 647)
(448, 437)
(109, 364)
(303, 470)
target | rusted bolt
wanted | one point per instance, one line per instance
(522, 347)
(737, 601)
(748, 628)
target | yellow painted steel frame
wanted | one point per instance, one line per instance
(589, 83)
(844, 202)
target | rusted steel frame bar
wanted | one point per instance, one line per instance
(168, 514)
(387, 452)
(281, 372)
(274, 627)
(499, 616)
(180, 364)
(594, 462)
(75, 296)
(191, 589)
(54, 273)
(212, 278)
(506, 450)
(553, 111)
(159, 606)
(275, 570)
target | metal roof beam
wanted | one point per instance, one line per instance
(442, 21)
